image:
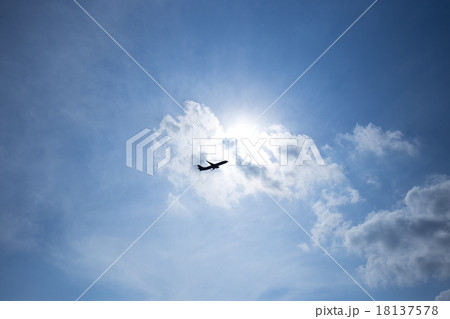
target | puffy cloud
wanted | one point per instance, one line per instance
(225, 187)
(443, 296)
(372, 139)
(409, 244)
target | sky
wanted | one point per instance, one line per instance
(376, 106)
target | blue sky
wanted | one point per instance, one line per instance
(376, 106)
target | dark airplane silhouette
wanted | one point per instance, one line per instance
(211, 166)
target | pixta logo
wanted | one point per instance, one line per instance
(144, 146)
(243, 151)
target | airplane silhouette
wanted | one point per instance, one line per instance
(211, 166)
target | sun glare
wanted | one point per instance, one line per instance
(242, 130)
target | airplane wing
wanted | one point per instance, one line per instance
(211, 166)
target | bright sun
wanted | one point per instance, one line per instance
(242, 130)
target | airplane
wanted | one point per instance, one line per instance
(211, 166)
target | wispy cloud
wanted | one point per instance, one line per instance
(304, 247)
(373, 139)
(330, 224)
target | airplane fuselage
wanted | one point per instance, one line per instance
(212, 166)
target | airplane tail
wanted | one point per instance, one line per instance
(201, 168)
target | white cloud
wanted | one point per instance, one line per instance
(330, 223)
(175, 202)
(443, 296)
(372, 139)
(409, 244)
(226, 186)
(304, 247)
(373, 181)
